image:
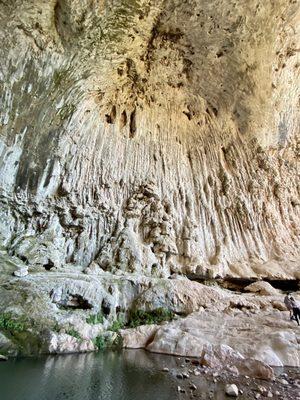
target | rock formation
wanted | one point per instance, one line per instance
(151, 137)
(145, 139)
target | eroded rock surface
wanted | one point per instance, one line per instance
(141, 141)
(151, 137)
(250, 326)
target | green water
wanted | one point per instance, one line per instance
(127, 375)
(124, 375)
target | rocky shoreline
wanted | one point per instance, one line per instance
(64, 312)
(198, 382)
(216, 334)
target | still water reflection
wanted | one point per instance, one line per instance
(127, 375)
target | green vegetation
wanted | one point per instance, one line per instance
(118, 324)
(100, 342)
(95, 319)
(74, 333)
(140, 317)
(107, 341)
(13, 323)
(56, 327)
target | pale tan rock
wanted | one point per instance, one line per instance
(180, 295)
(279, 305)
(180, 158)
(164, 143)
(262, 288)
(222, 357)
(219, 356)
(255, 369)
(172, 340)
(138, 337)
(266, 337)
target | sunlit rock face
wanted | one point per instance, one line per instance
(151, 136)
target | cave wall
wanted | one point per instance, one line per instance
(155, 137)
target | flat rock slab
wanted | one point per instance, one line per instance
(267, 337)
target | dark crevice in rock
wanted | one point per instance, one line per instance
(73, 301)
(132, 125)
(78, 302)
(105, 307)
(58, 17)
(239, 284)
(286, 285)
(123, 119)
(188, 114)
(49, 265)
(111, 118)
(24, 259)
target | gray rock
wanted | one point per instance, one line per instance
(232, 390)
(21, 273)
(282, 381)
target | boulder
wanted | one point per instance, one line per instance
(232, 390)
(21, 272)
(262, 288)
(170, 339)
(7, 347)
(139, 337)
(223, 357)
(255, 368)
(279, 305)
(218, 356)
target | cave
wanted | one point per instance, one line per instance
(239, 284)
(149, 161)
(76, 301)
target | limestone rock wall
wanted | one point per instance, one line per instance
(151, 136)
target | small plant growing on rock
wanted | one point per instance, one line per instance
(107, 341)
(100, 342)
(74, 333)
(118, 324)
(56, 327)
(95, 319)
(11, 323)
(140, 317)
